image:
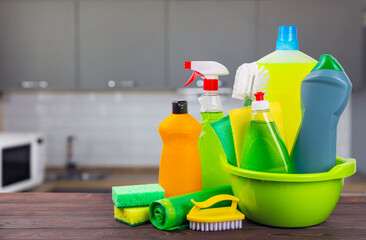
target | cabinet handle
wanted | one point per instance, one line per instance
(121, 84)
(43, 84)
(221, 83)
(199, 83)
(34, 84)
(128, 84)
(111, 84)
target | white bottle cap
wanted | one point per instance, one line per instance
(260, 103)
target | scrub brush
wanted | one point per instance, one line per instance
(215, 219)
(249, 79)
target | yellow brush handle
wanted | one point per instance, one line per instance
(213, 200)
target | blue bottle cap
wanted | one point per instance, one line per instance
(287, 38)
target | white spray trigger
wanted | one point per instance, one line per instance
(208, 70)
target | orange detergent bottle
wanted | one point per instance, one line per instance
(180, 168)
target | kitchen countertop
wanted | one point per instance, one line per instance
(90, 216)
(104, 184)
(355, 184)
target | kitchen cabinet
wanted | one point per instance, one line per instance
(113, 44)
(222, 31)
(37, 44)
(327, 26)
(122, 44)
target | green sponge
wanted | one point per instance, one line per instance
(136, 195)
(132, 216)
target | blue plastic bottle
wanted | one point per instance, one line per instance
(325, 93)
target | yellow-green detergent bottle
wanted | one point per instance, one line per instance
(264, 149)
(287, 67)
(209, 146)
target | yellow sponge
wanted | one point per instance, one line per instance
(132, 216)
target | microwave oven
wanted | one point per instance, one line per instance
(22, 161)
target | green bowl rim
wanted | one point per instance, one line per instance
(344, 168)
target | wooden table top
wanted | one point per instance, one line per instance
(90, 216)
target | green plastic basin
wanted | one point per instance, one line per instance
(289, 200)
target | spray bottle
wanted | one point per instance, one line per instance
(210, 150)
(264, 149)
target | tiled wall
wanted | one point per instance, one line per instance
(111, 128)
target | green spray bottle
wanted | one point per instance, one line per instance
(210, 150)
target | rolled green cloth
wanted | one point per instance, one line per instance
(170, 213)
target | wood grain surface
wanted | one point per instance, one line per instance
(90, 216)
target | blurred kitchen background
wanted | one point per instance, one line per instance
(85, 83)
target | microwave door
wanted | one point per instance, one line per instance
(16, 164)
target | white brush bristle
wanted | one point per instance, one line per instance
(215, 226)
(249, 79)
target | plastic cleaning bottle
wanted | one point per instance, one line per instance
(287, 67)
(180, 169)
(325, 93)
(264, 149)
(209, 146)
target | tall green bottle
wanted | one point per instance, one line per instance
(209, 146)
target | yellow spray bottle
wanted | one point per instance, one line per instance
(209, 147)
